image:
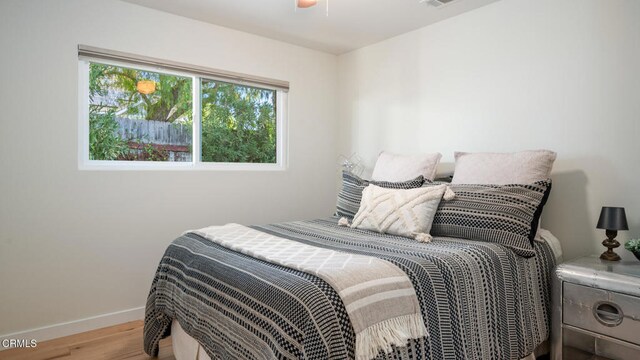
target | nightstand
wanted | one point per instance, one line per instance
(596, 310)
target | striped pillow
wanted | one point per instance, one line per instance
(504, 214)
(351, 194)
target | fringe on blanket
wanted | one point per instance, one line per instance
(381, 336)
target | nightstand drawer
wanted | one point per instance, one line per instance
(604, 312)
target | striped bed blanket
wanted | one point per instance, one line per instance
(478, 300)
(379, 297)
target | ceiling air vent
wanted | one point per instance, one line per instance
(438, 3)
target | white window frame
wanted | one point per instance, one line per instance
(196, 163)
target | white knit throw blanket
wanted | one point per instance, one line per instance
(378, 296)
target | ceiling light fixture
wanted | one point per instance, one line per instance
(436, 3)
(304, 4)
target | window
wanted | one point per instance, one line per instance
(238, 123)
(143, 113)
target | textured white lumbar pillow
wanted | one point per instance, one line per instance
(407, 213)
(524, 167)
(390, 167)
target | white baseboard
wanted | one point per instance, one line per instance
(77, 326)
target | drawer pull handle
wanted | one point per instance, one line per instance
(608, 314)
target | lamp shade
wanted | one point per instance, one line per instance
(612, 218)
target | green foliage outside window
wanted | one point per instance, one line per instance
(169, 102)
(104, 142)
(238, 122)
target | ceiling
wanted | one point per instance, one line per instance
(351, 24)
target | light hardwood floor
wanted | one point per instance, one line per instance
(120, 342)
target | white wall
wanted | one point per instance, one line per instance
(513, 75)
(516, 74)
(75, 244)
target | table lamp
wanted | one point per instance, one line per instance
(612, 219)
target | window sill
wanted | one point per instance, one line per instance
(97, 165)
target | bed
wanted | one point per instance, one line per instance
(478, 300)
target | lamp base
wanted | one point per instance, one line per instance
(609, 255)
(610, 243)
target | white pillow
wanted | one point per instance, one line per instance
(390, 167)
(404, 212)
(524, 167)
